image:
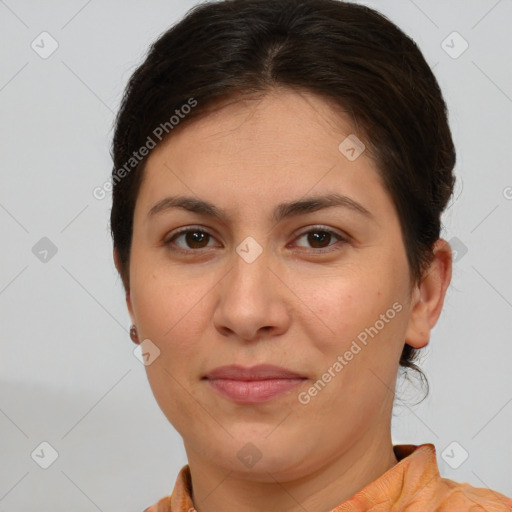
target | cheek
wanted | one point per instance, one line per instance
(169, 312)
(168, 305)
(342, 304)
(356, 336)
(357, 362)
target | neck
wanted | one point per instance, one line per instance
(323, 489)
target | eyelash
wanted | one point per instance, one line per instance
(315, 229)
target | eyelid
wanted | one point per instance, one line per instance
(321, 227)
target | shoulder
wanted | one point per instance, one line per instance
(415, 484)
(450, 495)
(180, 499)
(162, 505)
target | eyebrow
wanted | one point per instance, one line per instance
(281, 211)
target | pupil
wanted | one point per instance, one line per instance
(318, 237)
(194, 238)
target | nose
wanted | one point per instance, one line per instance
(253, 301)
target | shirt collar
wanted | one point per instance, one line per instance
(415, 479)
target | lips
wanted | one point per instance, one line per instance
(259, 373)
(253, 385)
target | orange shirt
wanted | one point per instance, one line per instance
(412, 485)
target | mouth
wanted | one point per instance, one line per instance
(258, 372)
(252, 385)
(253, 391)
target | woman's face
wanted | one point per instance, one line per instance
(265, 283)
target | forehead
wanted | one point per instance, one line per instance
(267, 146)
(281, 124)
(278, 116)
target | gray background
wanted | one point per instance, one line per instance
(68, 373)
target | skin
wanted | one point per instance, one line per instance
(293, 306)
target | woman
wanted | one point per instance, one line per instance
(280, 169)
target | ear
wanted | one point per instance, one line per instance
(428, 296)
(117, 263)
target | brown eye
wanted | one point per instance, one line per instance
(320, 238)
(196, 239)
(193, 238)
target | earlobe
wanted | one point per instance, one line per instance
(428, 296)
